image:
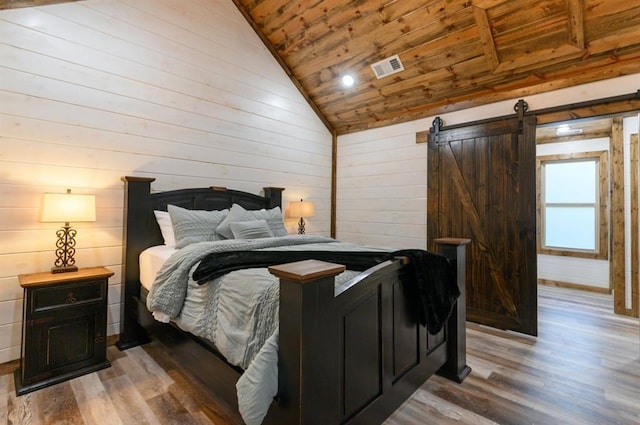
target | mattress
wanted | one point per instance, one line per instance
(151, 259)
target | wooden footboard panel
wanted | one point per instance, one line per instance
(384, 352)
(382, 347)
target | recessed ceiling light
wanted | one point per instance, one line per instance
(348, 80)
(566, 130)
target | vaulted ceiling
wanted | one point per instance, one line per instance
(455, 53)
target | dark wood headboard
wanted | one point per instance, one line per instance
(142, 231)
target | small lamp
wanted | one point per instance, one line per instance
(66, 208)
(301, 209)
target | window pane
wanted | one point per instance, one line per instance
(570, 182)
(571, 227)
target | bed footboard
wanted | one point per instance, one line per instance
(353, 354)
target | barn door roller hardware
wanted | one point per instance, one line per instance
(520, 107)
(434, 131)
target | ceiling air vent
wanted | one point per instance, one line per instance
(387, 66)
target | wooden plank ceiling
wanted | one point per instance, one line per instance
(456, 53)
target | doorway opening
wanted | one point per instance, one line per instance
(587, 207)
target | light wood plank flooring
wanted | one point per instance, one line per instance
(584, 368)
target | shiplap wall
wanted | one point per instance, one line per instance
(382, 188)
(180, 90)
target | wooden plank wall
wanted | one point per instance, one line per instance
(180, 90)
(382, 188)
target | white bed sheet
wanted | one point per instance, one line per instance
(151, 259)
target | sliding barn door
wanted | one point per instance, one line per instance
(482, 186)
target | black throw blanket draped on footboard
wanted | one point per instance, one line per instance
(435, 285)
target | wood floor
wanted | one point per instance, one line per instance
(583, 368)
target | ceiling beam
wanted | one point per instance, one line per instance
(576, 23)
(486, 37)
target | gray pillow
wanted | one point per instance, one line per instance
(254, 229)
(191, 226)
(237, 214)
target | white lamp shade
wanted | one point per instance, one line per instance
(301, 209)
(67, 208)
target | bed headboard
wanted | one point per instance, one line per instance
(141, 231)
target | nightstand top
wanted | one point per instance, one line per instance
(48, 278)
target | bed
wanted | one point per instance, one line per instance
(350, 352)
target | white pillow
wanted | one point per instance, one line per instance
(166, 228)
(237, 213)
(254, 229)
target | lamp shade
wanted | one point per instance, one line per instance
(301, 208)
(67, 208)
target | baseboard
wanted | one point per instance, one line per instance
(559, 284)
(112, 339)
(9, 367)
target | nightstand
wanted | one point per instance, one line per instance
(64, 327)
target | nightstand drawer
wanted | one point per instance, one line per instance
(67, 295)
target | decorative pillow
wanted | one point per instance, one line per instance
(237, 214)
(166, 228)
(254, 229)
(191, 226)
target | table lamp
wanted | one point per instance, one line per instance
(66, 208)
(301, 209)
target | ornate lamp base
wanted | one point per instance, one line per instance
(65, 269)
(65, 249)
(301, 226)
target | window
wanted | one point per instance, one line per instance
(572, 212)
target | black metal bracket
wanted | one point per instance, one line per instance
(521, 107)
(434, 131)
